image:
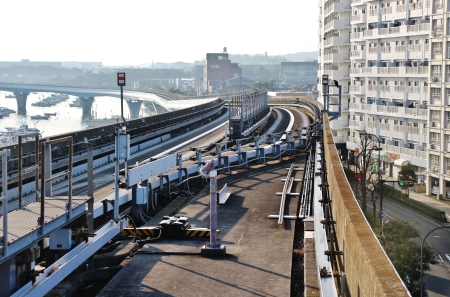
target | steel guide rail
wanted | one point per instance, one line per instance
(305, 198)
(287, 187)
(325, 269)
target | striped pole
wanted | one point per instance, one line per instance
(213, 208)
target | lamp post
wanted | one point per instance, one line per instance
(421, 256)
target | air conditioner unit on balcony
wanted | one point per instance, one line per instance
(435, 169)
(433, 79)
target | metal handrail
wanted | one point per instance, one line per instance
(46, 149)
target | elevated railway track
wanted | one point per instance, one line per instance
(345, 253)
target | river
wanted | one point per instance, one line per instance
(67, 119)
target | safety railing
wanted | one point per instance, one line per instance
(47, 178)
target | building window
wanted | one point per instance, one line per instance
(435, 138)
(436, 70)
(437, 48)
(434, 163)
(435, 95)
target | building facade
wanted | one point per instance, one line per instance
(334, 57)
(219, 69)
(398, 74)
(299, 72)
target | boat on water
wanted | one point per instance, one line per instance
(12, 135)
(51, 100)
(4, 114)
(50, 114)
(39, 117)
(10, 96)
(5, 110)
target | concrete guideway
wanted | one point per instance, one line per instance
(259, 253)
(263, 152)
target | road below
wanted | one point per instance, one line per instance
(438, 280)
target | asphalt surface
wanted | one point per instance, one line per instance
(438, 280)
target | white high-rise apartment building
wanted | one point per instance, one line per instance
(438, 157)
(398, 72)
(334, 57)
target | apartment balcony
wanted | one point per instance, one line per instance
(414, 48)
(355, 71)
(371, 108)
(358, 90)
(337, 7)
(384, 126)
(418, 29)
(415, 112)
(339, 125)
(417, 9)
(371, 125)
(435, 123)
(354, 106)
(393, 149)
(358, 19)
(399, 128)
(357, 125)
(412, 89)
(356, 36)
(336, 41)
(336, 58)
(385, 88)
(337, 25)
(338, 74)
(340, 139)
(436, 100)
(413, 153)
(413, 130)
(387, 109)
(358, 54)
(402, 71)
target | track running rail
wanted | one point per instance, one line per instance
(287, 188)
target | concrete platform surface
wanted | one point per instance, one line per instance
(259, 253)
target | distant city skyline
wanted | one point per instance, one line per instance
(137, 32)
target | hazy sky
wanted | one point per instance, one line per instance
(131, 32)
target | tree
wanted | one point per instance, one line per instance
(364, 164)
(268, 85)
(404, 253)
(407, 173)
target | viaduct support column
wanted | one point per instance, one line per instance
(87, 105)
(21, 99)
(134, 107)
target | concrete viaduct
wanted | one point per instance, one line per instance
(133, 99)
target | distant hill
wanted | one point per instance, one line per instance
(264, 60)
(302, 56)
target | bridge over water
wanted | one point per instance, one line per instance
(133, 98)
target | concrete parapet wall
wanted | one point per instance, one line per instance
(368, 270)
